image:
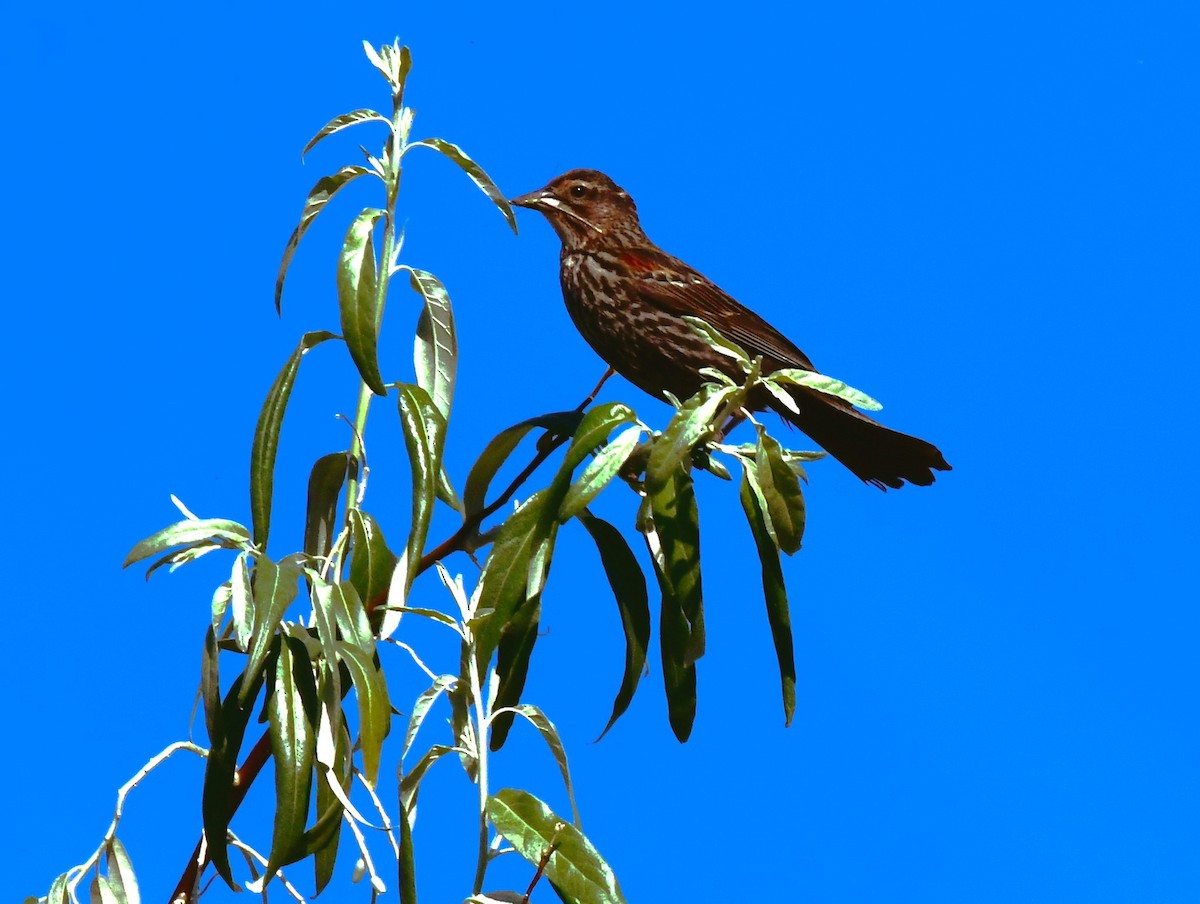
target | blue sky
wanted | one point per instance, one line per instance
(984, 216)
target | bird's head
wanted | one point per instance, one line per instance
(586, 209)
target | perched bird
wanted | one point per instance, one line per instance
(628, 298)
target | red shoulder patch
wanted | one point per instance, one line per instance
(637, 261)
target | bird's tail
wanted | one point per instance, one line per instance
(883, 457)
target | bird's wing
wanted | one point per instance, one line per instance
(677, 289)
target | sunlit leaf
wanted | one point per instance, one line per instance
(775, 594)
(225, 740)
(266, 437)
(576, 869)
(674, 543)
(353, 118)
(505, 579)
(275, 587)
(781, 492)
(372, 562)
(690, 425)
(719, 342)
(512, 665)
(101, 892)
(325, 483)
(318, 196)
(435, 352)
(502, 445)
(599, 471)
(475, 171)
(357, 280)
(292, 708)
(325, 858)
(410, 783)
(374, 709)
(121, 878)
(227, 534)
(417, 416)
(822, 383)
(421, 708)
(550, 735)
(629, 587)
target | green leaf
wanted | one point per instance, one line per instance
(356, 285)
(210, 682)
(719, 343)
(353, 118)
(190, 533)
(266, 437)
(692, 423)
(275, 587)
(325, 483)
(505, 579)
(59, 893)
(822, 383)
(374, 709)
(475, 171)
(775, 594)
(292, 713)
(421, 708)
(318, 197)
(371, 563)
(593, 431)
(435, 353)
(575, 867)
(600, 470)
(629, 587)
(121, 878)
(422, 426)
(410, 783)
(781, 492)
(100, 892)
(502, 445)
(673, 537)
(225, 740)
(325, 858)
(512, 666)
(550, 735)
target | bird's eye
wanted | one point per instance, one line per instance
(578, 191)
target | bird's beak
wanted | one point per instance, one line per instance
(535, 200)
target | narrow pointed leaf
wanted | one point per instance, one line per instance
(822, 383)
(374, 709)
(121, 878)
(421, 708)
(512, 666)
(505, 578)
(372, 562)
(410, 783)
(575, 867)
(189, 532)
(318, 196)
(353, 118)
(600, 470)
(502, 445)
(690, 426)
(292, 715)
(418, 417)
(101, 892)
(719, 342)
(629, 588)
(275, 587)
(357, 279)
(550, 735)
(435, 353)
(221, 766)
(325, 483)
(325, 858)
(266, 437)
(775, 594)
(781, 492)
(475, 171)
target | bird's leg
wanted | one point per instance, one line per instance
(595, 392)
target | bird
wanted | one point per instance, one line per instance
(628, 298)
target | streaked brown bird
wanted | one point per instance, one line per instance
(628, 298)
